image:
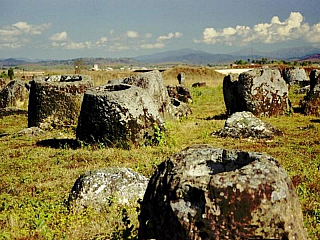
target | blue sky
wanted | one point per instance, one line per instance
(65, 29)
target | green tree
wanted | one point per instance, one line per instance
(3, 75)
(264, 60)
(10, 73)
(78, 66)
(240, 62)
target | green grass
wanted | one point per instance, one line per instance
(35, 180)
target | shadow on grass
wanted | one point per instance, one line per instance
(4, 112)
(4, 135)
(60, 143)
(221, 116)
(297, 109)
(315, 120)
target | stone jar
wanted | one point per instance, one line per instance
(260, 91)
(209, 193)
(55, 102)
(118, 115)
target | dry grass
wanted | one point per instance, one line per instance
(193, 75)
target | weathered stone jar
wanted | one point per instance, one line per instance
(15, 94)
(208, 193)
(152, 82)
(260, 91)
(310, 105)
(55, 102)
(118, 115)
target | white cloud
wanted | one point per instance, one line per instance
(152, 46)
(74, 45)
(148, 35)
(10, 45)
(31, 29)
(313, 35)
(18, 34)
(169, 36)
(102, 41)
(59, 37)
(275, 31)
(132, 34)
(117, 47)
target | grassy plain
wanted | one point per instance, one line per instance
(35, 178)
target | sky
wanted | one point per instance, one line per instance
(67, 29)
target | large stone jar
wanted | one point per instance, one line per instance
(260, 91)
(55, 102)
(208, 193)
(118, 115)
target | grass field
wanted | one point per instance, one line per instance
(35, 179)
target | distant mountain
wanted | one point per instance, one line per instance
(188, 56)
(11, 62)
(293, 53)
(191, 56)
(313, 57)
(248, 52)
(163, 56)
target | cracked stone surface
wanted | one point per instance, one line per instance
(153, 83)
(246, 125)
(118, 115)
(15, 94)
(95, 188)
(295, 75)
(204, 192)
(310, 104)
(55, 102)
(260, 91)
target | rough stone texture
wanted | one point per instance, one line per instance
(2, 84)
(207, 193)
(180, 109)
(31, 132)
(115, 81)
(314, 78)
(230, 93)
(117, 115)
(153, 83)
(95, 188)
(199, 84)
(15, 94)
(56, 101)
(181, 78)
(246, 125)
(180, 92)
(295, 76)
(310, 105)
(260, 91)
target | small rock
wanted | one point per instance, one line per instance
(96, 188)
(180, 92)
(246, 125)
(31, 132)
(199, 84)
